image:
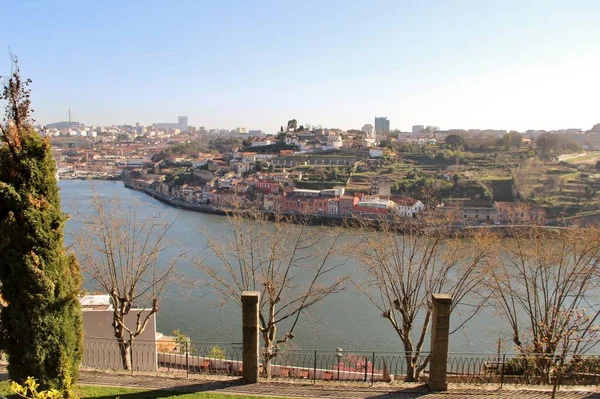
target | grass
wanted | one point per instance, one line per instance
(130, 393)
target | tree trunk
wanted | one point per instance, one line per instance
(267, 355)
(125, 349)
(412, 368)
(267, 365)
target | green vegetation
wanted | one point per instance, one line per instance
(202, 145)
(217, 352)
(455, 141)
(550, 144)
(272, 148)
(42, 323)
(85, 392)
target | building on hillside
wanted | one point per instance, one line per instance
(303, 192)
(267, 187)
(249, 156)
(164, 189)
(376, 152)
(243, 167)
(272, 202)
(261, 142)
(298, 204)
(346, 205)
(333, 206)
(460, 211)
(408, 207)
(369, 130)
(320, 205)
(227, 199)
(332, 143)
(332, 192)
(381, 186)
(373, 206)
(417, 129)
(520, 213)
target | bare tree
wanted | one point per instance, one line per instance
(545, 286)
(404, 270)
(292, 265)
(120, 250)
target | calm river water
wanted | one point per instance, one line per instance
(346, 320)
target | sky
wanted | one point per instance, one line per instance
(510, 64)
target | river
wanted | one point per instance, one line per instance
(346, 320)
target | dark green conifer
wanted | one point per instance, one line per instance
(41, 319)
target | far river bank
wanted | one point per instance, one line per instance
(346, 320)
(404, 225)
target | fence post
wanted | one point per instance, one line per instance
(373, 369)
(502, 371)
(440, 334)
(315, 369)
(366, 368)
(250, 336)
(187, 361)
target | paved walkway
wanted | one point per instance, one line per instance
(318, 391)
(323, 390)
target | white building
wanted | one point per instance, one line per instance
(408, 207)
(417, 129)
(332, 143)
(100, 347)
(369, 130)
(333, 206)
(291, 140)
(375, 152)
(243, 167)
(261, 142)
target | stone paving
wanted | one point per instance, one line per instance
(326, 390)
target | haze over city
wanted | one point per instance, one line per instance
(466, 64)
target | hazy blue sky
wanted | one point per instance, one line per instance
(456, 64)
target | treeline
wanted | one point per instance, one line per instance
(550, 144)
(201, 145)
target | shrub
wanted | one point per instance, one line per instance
(519, 366)
(29, 390)
(217, 353)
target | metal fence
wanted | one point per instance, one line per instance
(164, 356)
(336, 365)
(532, 369)
(225, 359)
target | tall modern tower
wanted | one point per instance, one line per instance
(183, 123)
(382, 124)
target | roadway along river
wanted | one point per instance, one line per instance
(346, 320)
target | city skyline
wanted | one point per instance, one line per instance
(337, 64)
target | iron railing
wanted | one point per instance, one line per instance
(531, 369)
(225, 359)
(336, 365)
(164, 356)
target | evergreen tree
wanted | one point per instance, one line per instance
(41, 322)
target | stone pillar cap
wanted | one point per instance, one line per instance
(442, 297)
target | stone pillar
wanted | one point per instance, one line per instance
(250, 336)
(440, 332)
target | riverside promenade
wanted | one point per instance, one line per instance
(161, 383)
